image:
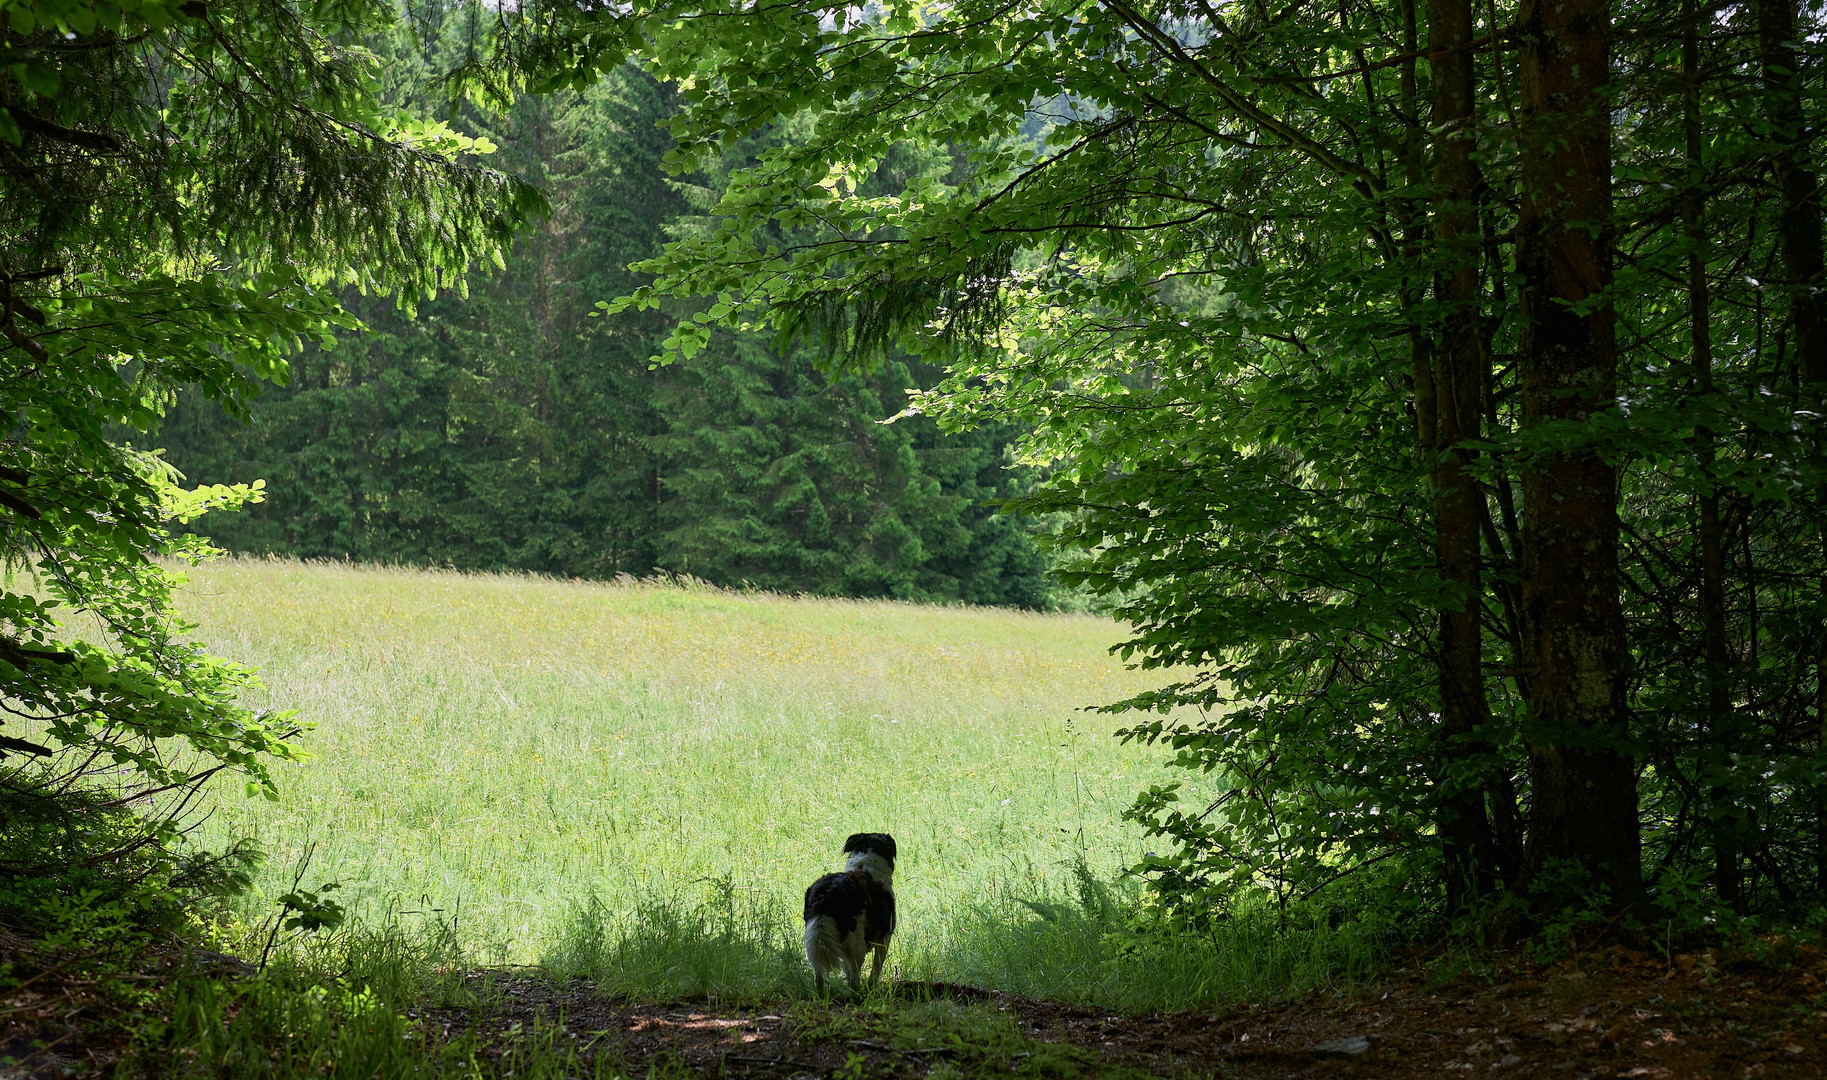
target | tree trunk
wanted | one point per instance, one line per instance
(1420, 347)
(1798, 232)
(1583, 795)
(1465, 832)
(1726, 878)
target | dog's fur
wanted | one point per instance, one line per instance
(852, 912)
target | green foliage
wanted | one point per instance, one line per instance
(508, 430)
(1125, 944)
(182, 186)
(498, 430)
(720, 943)
(1203, 259)
(84, 871)
(343, 1006)
(781, 477)
(1110, 943)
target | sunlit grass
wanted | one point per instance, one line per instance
(525, 749)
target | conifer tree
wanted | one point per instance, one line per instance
(506, 430)
(499, 429)
(777, 475)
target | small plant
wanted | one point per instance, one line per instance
(855, 1067)
(303, 911)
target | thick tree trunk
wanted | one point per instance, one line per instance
(1459, 377)
(1414, 227)
(1726, 878)
(1583, 794)
(1798, 231)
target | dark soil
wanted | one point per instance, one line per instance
(1607, 1013)
(1611, 1013)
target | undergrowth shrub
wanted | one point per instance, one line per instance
(75, 866)
(349, 1005)
(339, 998)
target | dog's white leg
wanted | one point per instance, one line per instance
(875, 964)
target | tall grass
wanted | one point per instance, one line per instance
(1091, 942)
(521, 746)
(1097, 941)
(635, 781)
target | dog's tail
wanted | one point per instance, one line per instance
(824, 950)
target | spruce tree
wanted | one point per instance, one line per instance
(784, 477)
(505, 429)
(501, 429)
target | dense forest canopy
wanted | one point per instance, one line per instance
(505, 429)
(1441, 386)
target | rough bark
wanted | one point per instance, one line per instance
(1421, 363)
(1583, 798)
(1458, 383)
(1798, 232)
(1726, 877)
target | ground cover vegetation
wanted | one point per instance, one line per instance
(504, 429)
(539, 798)
(1441, 386)
(464, 796)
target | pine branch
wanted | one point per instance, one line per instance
(47, 129)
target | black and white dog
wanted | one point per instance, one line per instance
(850, 913)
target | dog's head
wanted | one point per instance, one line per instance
(871, 852)
(874, 843)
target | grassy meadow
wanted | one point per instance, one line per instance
(637, 780)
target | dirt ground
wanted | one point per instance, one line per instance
(1612, 1013)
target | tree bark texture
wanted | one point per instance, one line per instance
(1458, 384)
(1798, 233)
(1583, 797)
(1414, 225)
(1726, 878)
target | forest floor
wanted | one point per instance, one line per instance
(1609, 1012)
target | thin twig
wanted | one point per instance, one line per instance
(866, 1044)
(767, 1061)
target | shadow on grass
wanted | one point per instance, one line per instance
(347, 1006)
(721, 943)
(1091, 942)
(1097, 943)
